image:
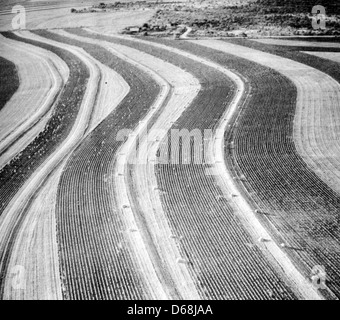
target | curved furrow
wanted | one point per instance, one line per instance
(82, 71)
(303, 209)
(42, 75)
(317, 143)
(140, 174)
(222, 265)
(9, 80)
(96, 260)
(316, 124)
(35, 248)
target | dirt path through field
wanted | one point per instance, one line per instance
(42, 75)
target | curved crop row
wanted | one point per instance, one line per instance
(221, 255)
(302, 211)
(322, 223)
(156, 253)
(296, 53)
(9, 80)
(34, 246)
(95, 258)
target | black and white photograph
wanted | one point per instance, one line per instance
(170, 154)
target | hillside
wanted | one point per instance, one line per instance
(254, 18)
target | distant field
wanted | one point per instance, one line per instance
(142, 159)
(47, 15)
(256, 18)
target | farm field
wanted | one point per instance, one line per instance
(219, 209)
(145, 166)
(89, 117)
(102, 142)
(300, 203)
(43, 74)
(20, 202)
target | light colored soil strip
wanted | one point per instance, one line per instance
(185, 88)
(36, 251)
(299, 43)
(156, 288)
(41, 74)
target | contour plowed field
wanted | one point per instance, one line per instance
(140, 167)
(34, 243)
(95, 260)
(42, 75)
(303, 209)
(191, 197)
(13, 175)
(135, 184)
(19, 172)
